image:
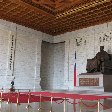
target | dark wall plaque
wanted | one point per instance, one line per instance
(88, 81)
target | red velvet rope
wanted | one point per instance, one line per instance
(89, 106)
(105, 106)
(72, 102)
(59, 102)
(45, 109)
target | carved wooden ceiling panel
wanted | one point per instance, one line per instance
(55, 17)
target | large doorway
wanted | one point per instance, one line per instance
(52, 65)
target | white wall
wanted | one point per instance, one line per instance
(88, 43)
(26, 53)
(59, 58)
(20, 55)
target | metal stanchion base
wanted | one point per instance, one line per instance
(39, 109)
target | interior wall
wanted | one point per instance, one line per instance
(3, 56)
(52, 65)
(20, 55)
(26, 54)
(25, 60)
(86, 43)
(59, 58)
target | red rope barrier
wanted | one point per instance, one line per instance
(105, 106)
(72, 102)
(90, 106)
(44, 109)
(59, 102)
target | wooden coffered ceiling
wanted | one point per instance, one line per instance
(55, 17)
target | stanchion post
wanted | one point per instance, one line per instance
(98, 105)
(8, 102)
(17, 101)
(64, 106)
(80, 105)
(51, 110)
(1, 99)
(28, 106)
(40, 104)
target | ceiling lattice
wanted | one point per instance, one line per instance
(55, 17)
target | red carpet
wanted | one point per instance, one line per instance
(23, 97)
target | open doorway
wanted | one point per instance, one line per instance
(52, 65)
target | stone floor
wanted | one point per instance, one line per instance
(56, 108)
(82, 108)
